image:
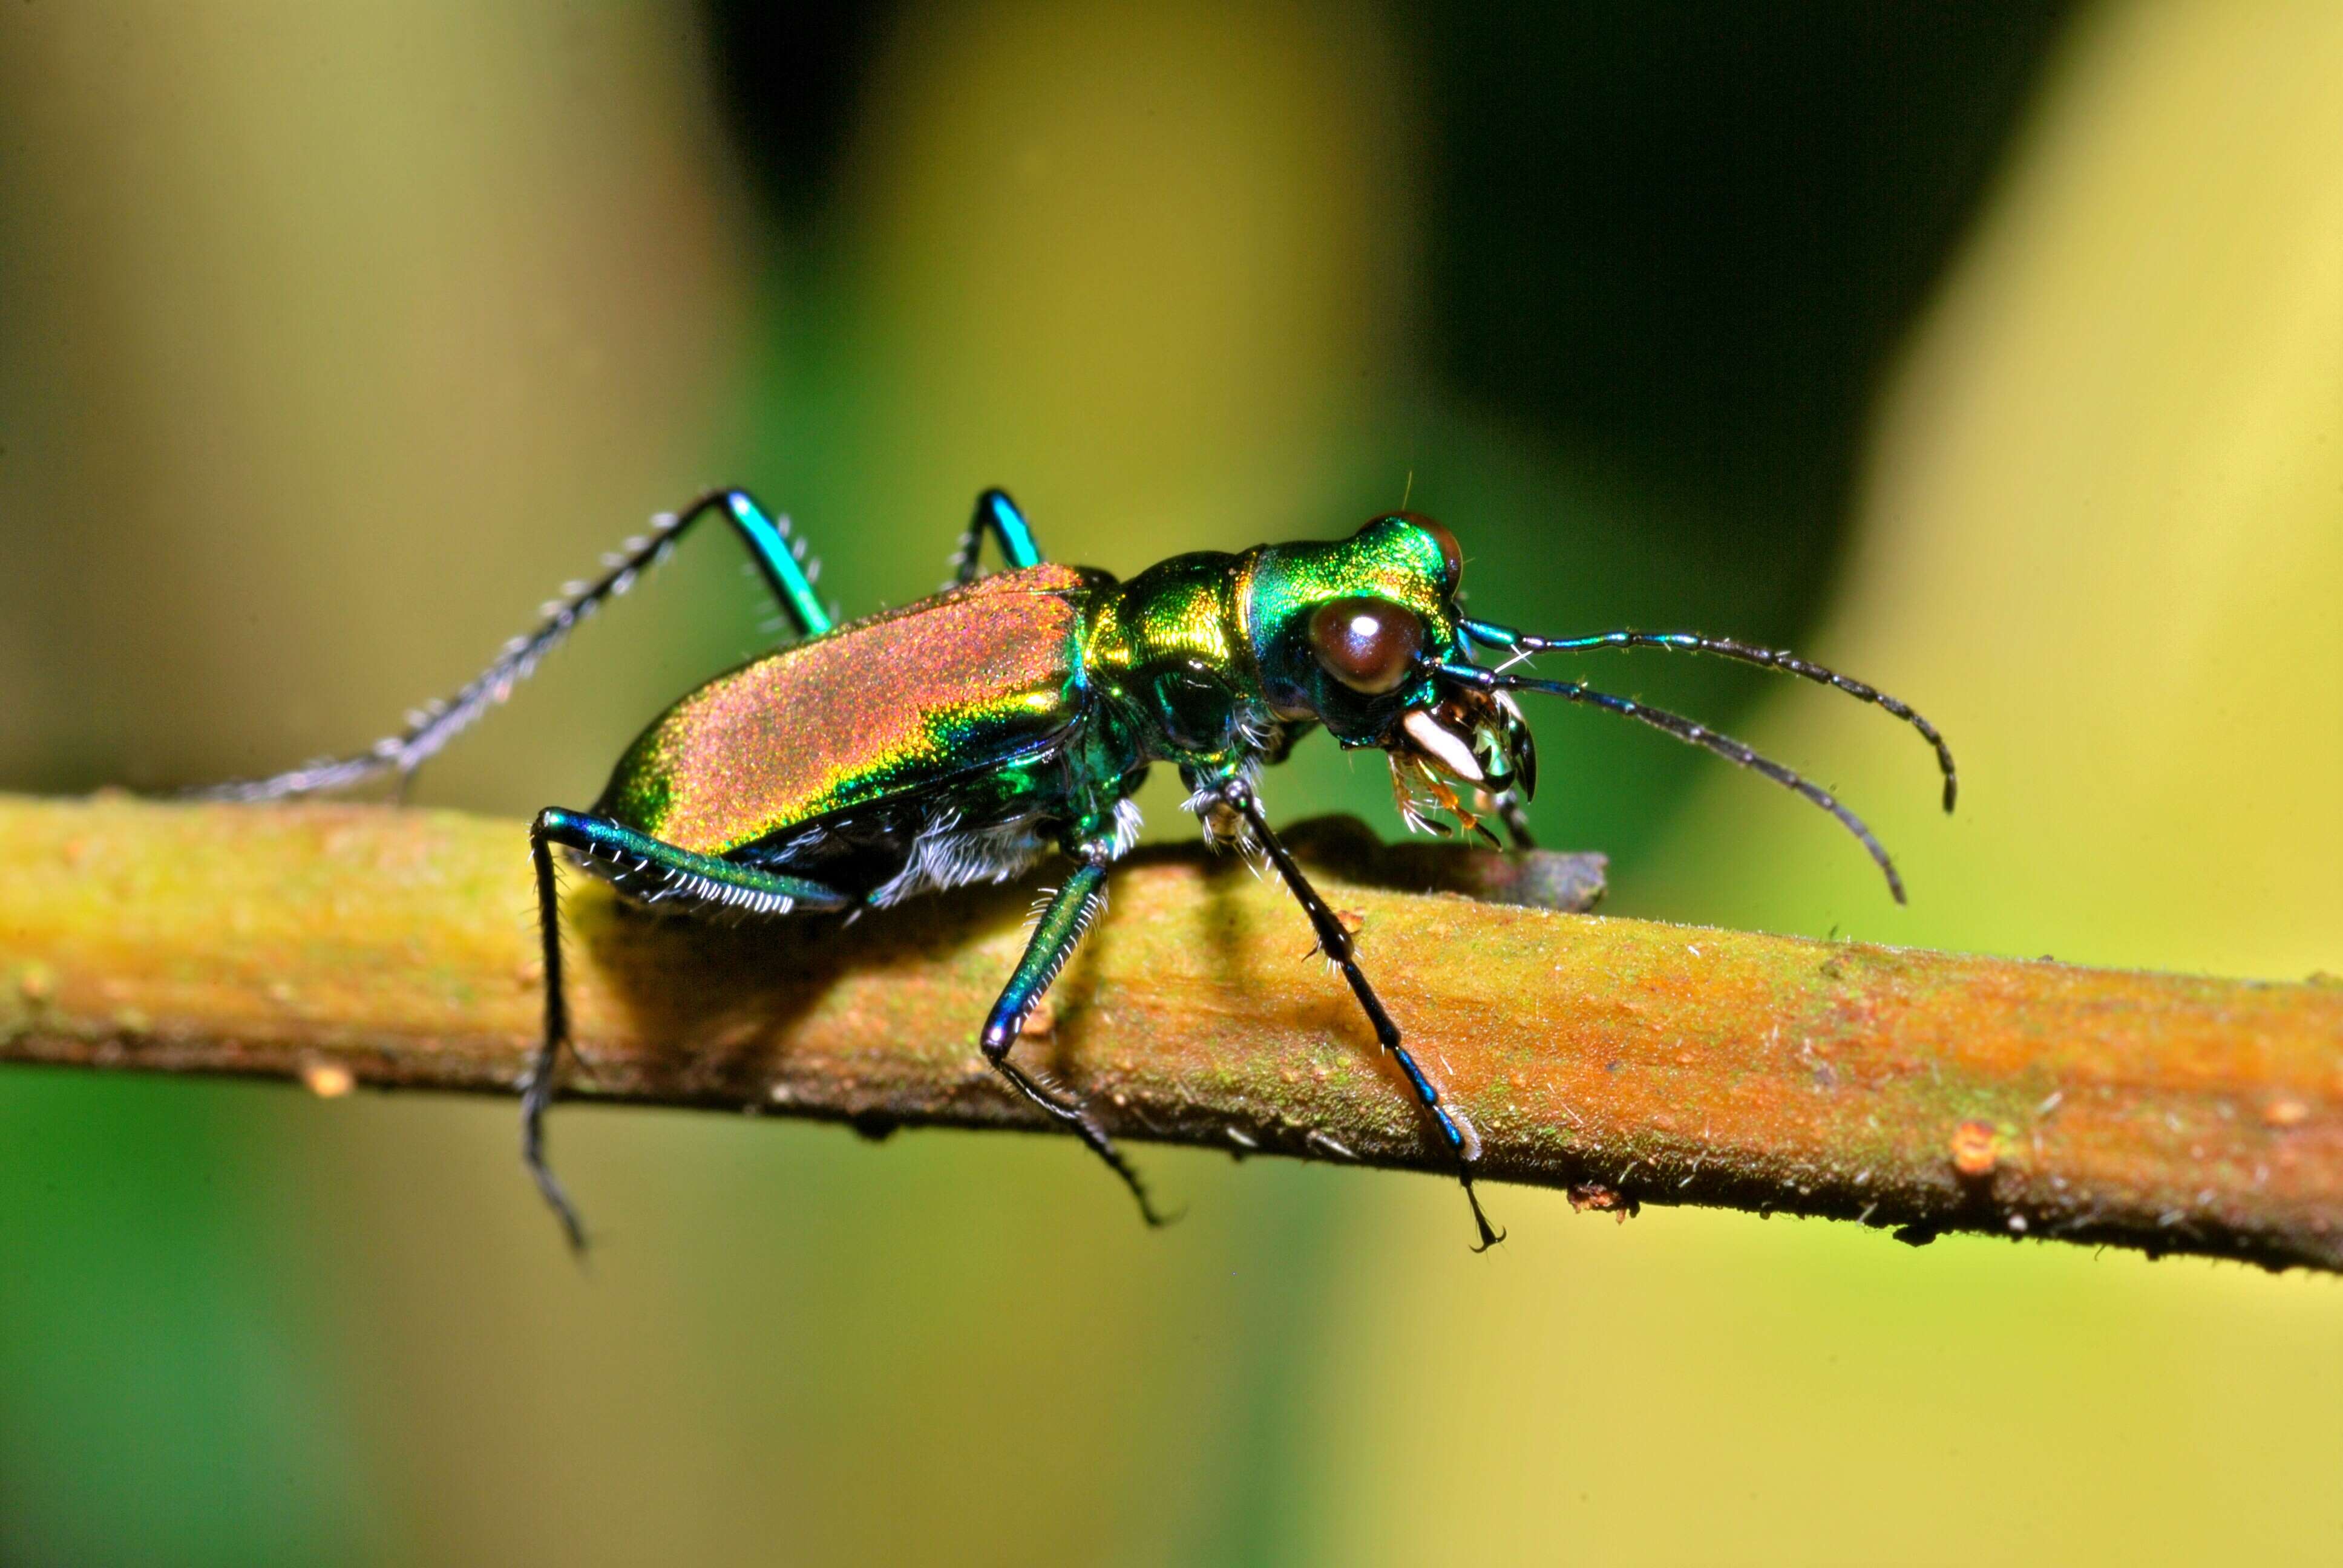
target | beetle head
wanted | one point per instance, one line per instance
(1352, 635)
(1365, 636)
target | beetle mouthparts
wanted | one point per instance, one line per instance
(1453, 751)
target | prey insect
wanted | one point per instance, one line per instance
(961, 738)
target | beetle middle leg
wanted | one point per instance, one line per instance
(657, 873)
(1070, 910)
(1335, 942)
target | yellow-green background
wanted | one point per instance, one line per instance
(333, 337)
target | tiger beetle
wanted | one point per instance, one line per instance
(959, 738)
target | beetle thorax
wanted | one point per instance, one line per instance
(1170, 647)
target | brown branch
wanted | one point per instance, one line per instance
(1631, 1061)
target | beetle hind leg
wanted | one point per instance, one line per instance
(655, 872)
(1070, 913)
(1002, 518)
(777, 555)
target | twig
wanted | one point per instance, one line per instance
(1628, 1061)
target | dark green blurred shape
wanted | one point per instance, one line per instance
(161, 1364)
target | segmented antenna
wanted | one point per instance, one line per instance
(1693, 733)
(1490, 635)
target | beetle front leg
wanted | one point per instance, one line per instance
(1507, 805)
(1001, 518)
(1070, 910)
(1237, 796)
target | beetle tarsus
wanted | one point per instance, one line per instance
(535, 1095)
(1078, 1119)
(1070, 913)
(1490, 1234)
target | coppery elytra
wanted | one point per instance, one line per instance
(961, 738)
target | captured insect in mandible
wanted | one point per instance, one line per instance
(961, 738)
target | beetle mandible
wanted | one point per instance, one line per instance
(961, 738)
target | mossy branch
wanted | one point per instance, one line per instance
(1631, 1061)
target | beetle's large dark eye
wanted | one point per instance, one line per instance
(1366, 644)
(1452, 556)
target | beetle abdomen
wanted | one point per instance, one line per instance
(878, 708)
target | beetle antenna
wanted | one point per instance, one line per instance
(1692, 733)
(1490, 635)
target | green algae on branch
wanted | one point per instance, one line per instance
(1625, 1061)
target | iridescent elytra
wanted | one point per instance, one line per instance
(963, 737)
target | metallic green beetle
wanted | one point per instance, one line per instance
(960, 738)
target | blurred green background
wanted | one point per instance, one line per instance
(1993, 352)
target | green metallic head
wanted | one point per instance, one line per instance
(1353, 634)
(1365, 636)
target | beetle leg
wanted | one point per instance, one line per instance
(691, 881)
(1507, 804)
(1336, 942)
(779, 559)
(998, 516)
(1070, 910)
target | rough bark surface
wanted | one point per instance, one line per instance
(1630, 1061)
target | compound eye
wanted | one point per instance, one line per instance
(1367, 644)
(1452, 556)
